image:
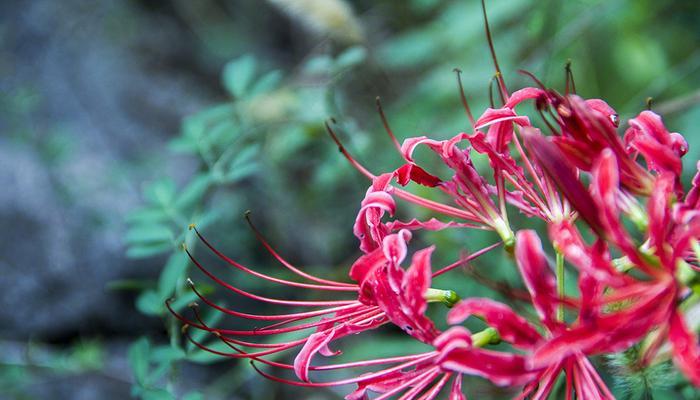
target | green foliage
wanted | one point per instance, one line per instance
(227, 140)
(38, 360)
(264, 147)
(636, 381)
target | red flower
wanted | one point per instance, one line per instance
(386, 293)
(539, 375)
(640, 305)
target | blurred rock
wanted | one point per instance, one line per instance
(90, 95)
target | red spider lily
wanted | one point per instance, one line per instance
(369, 227)
(456, 352)
(532, 192)
(403, 176)
(638, 298)
(588, 128)
(639, 306)
(581, 376)
(386, 293)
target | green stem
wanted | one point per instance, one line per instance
(486, 337)
(447, 297)
(560, 285)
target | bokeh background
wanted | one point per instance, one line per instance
(121, 122)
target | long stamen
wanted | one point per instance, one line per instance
(262, 298)
(463, 97)
(281, 347)
(284, 262)
(365, 377)
(492, 103)
(243, 268)
(499, 75)
(387, 128)
(276, 317)
(546, 121)
(331, 367)
(435, 390)
(534, 78)
(410, 197)
(347, 155)
(466, 259)
(570, 84)
(417, 381)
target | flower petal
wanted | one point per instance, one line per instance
(686, 350)
(511, 327)
(315, 343)
(503, 369)
(523, 94)
(551, 159)
(411, 172)
(538, 278)
(456, 389)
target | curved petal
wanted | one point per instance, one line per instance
(686, 350)
(411, 172)
(317, 342)
(551, 159)
(538, 278)
(511, 327)
(401, 295)
(523, 94)
(503, 369)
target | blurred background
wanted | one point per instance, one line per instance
(121, 122)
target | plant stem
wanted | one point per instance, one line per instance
(485, 337)
(560, 285)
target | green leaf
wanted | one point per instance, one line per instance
(143, 234)
(267, 83)
(147, 215)
(183, 144)
(236, 173)
(193, 192)
(193, 396)
(318, 65)
(150, 303)
(128, 284)
(160, 192)
(148, 250)
(238, 74)
(138, 359)
(166, 354)
(157, 394)
(351, 57)
(247, 154)
(173, 271)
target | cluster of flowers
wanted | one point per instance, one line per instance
(635, 276)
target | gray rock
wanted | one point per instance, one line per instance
(89, 102)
